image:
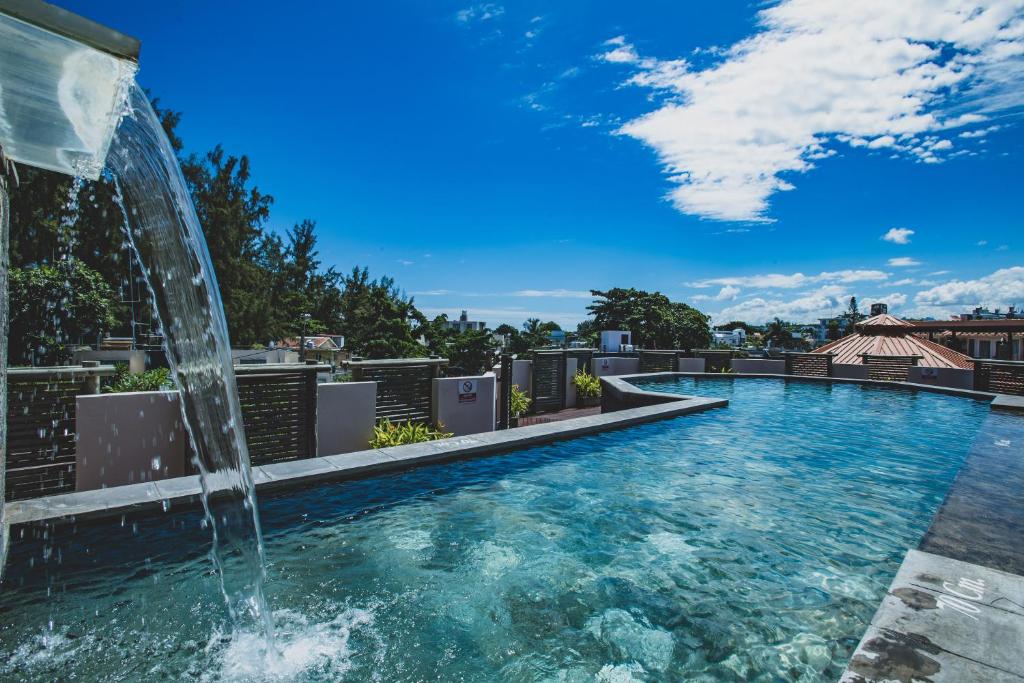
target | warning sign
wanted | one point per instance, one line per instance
(467, 391)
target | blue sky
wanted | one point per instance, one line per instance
(505, 158)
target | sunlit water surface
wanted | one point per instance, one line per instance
(746, 543)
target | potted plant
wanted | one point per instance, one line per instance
(518, 404)
(588, 389)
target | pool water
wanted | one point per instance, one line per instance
(752, 542)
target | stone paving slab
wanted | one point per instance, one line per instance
(944, 620)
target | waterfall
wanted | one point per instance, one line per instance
(168, 240)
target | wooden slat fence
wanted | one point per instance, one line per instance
(658, 361)
(889, 368)
(1000, 377)
(41, 427)
(404, 386)
(809, 364)
(278, 410)
(548, 381)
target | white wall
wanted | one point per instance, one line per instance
(691, 364)
(462, 409)
(571, 365)
(522, 376)
(136, 360)
(850, 370)
(759, 366)
(345, 415)
(942, 377)
(128, 438)
(611, 340)
(615, 365)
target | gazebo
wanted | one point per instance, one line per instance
(889, 347)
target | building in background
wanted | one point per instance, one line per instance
(464, 324)
(734, 337)
(616, 340)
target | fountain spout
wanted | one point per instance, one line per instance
(63, 84)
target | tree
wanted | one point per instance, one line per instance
(854, 315)
(734, 324)
(656, 322)
(471, 352)
(777, 334)
(586, 331)
(833, 331)
(377, 318)
(53, 307)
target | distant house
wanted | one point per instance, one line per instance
(464, 324)
(322, 348)
(735, 337)
(616, 340)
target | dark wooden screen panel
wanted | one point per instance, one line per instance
(889, 368)
(278, 411)
(548, 381)
(715, 361)
(658, 361)
(40, 436)
(809, 364)
(403, 391)
(1000, 377)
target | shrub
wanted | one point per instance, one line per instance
(587, 386)
(387, 433)
(151, 380)
(519, 403)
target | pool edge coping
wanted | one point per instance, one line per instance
(186, 491)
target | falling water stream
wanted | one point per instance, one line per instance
(5, 218)
(167, 238)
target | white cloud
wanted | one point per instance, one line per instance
(782, 281)
(824, 302)
(405, 262)
(513, 315)
(433, 292)
(982, 243)
(481, 12)
(903, 262)
(898, 235)
(1003, 287)
(727, 293)
(980, 133)
(871, 73)
(905, 281)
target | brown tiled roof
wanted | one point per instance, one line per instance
(848, 349)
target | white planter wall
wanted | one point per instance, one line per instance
(345, 416)
(759, 366)
(128, 438)
(465, 412)
(614, 365)
(691, 365)
(942, 377)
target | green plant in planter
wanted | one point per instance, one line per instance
(587, 386)
(386, 433)
(150, 380)
(519, 402)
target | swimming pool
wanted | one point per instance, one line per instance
(752, 542)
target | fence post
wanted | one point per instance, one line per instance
(505, 400)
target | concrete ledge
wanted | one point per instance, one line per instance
(951, 391)
(185, 491)
(944, 620)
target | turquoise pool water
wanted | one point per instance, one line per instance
(746, 543)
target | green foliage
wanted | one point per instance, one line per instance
(150, 380)
(519, 402)
(378, 317)
(55, 306)
(656, 322)
(733, 324)
(587, 386)
(471, 352)
(587, 332)
(386, 433)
